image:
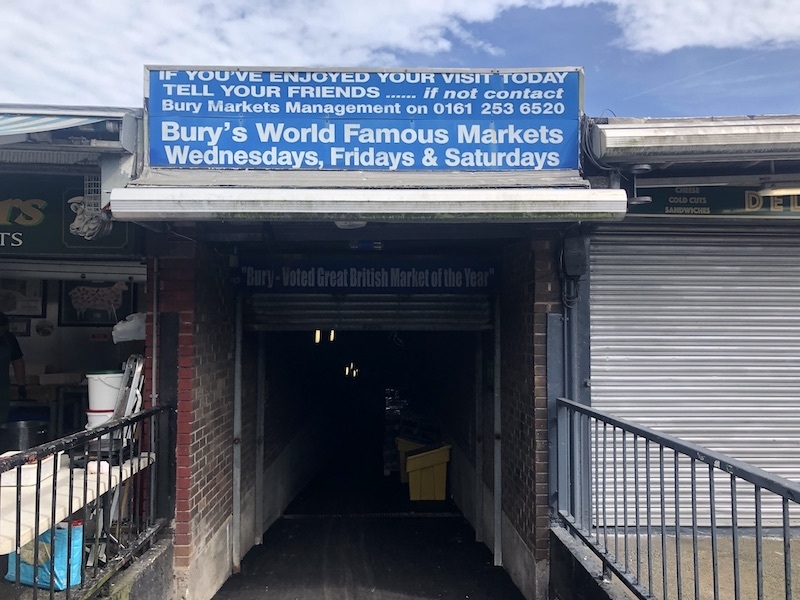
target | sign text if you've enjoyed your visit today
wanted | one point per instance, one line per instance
(388, 120)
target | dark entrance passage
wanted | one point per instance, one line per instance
(380, 558)
(353, 533)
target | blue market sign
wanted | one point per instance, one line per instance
(388, 120)
(400, 276)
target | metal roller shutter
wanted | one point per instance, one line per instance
(306, 312)
(696, 332)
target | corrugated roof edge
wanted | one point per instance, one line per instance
(100, 112)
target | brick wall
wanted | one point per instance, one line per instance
(547, 299)
(214, 353)
(193, 283)
(446, 371)
(294, 393)
(530, 291)
(249, 410)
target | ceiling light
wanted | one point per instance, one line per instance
(350, 224)
(640, 169)
(638, 200)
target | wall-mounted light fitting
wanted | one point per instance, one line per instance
(640, 169)
(350, 224)
(780, 189)
(636, 199)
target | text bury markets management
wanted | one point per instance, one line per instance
(377, 120)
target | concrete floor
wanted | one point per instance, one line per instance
(773, 573)
(381, 558)
(354, 533)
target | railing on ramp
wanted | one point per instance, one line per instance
(671, 519)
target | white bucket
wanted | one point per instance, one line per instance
(95, 418)
(103, 390)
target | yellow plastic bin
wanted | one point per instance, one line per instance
(427, 472)
(404, 445)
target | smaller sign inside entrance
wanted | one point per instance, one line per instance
(406, 276)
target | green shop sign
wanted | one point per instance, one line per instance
(722, 201)
(50, 214)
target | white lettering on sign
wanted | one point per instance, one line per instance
(270, 157)
(258, 277)
(241, 76)
(340, 110)
(369, 278)
(299, 277)
(172, 131)
(330, 91)
(318, 77)
(251, 91)
(512, 135)
(242, 107)
(168, 104)
(516, 158)
(382, 120)
(369, 157)
(11, 239)
(407, 77)
(354, 132)
(534, 78)
(279, 132)
(187, 89)
(465, 78)
(311, 277)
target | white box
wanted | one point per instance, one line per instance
(9, 478)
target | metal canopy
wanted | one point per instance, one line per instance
(48, 129)
(622, 141)
(412, 205)
(20, 125)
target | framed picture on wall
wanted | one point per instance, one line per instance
(19, 327)
(95, 303)
(22, 297)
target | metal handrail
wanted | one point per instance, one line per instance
(648, 503)
(101, 484)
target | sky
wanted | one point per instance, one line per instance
(641, 58)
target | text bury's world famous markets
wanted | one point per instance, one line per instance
(388, 120)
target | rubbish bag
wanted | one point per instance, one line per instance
(68, 556)
(129, 329)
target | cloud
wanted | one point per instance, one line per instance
(663, 26)
(93, 51)
(53, 51)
